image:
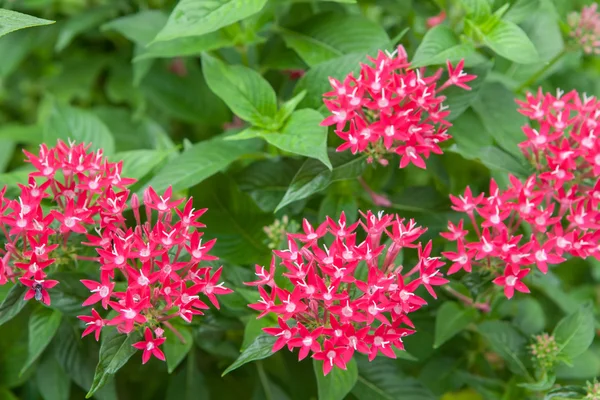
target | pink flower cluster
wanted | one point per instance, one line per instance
(391, 108)
(76, 181)
(557, 205)
(585, 28)
(350, 296)
(160, 260)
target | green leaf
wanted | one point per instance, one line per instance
(543, 384)
(584, 366)
(530, 317)
(43, 324)
(6, 394)
(15, 48)
(266, 181)
(507, 342)
(302, 135)
(439, 45)
(476, 9)
(80, 23)
(70, 123)
(496, 159)
(521, 10)
(197, 17)
(235, 220)
(187, 46)
(140, 28)
(314, 176)
(70, 294)
(254, 328)
(13, 303)
(451, 318)
(575, 333)
(286, 109)
(338, 383)
(201, 161)
(138, 163)
(115, 351)
(382, 380)
(184, 97)
(261, 348)
(27, 134)
(318, 39)
(244, 90)
(498, 111)
(470, 134)
(175, 349)
(78, 358)
(509, 41)
(11, 21)
(51, 380)
(188, 383)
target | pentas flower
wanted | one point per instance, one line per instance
(349, 296)
(390, 108)
(558, 203)
(160, 260)
(585, 28)
(76, 185)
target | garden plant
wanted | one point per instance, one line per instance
(299, 199)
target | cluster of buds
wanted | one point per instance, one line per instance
(585, 28)
(391, 108)
(593, 390)
(350, 296)
(557, 205)
(160, 260)
(78, 184)
(544, 351)
(277, 231)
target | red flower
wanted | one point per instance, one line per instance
(331, 308)
(38, 287)
(95, 323)
(150, 346)
(511, 280)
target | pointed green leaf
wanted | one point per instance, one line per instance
(318, 39)
(11, 21)
(51, 380)
(314, 176)
(261, 348)
(138, 163)
(338, 383)
(82, 22)
(43, 324)
(439, 45)
(197, 17)
(244, 90)
(508, 40)
(115, 351)
(140, 28)
(201, 161)
(13, 303)
(575, 333)
(451, 318)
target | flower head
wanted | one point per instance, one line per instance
(348, 296)
(390, 108)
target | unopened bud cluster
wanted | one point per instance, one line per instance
(585, 29)
(544, 351)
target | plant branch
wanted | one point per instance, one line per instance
(534, 78)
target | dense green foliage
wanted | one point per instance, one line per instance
(206, 96)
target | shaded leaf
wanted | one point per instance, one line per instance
(115, 351)
(338, 383)
(507, 342)
(175, 349)
(13, 303)
(84, 21)
(51, 379)
(451, 318)
(43, 324)
(508, 40)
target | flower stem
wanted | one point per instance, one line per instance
(378, 199)
(468, 301)
(533, 78)
(175, 331)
